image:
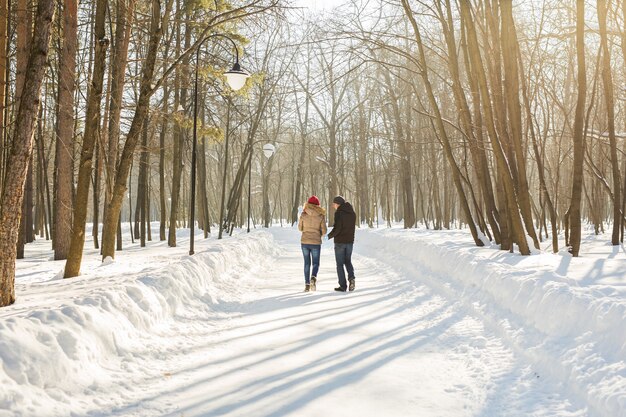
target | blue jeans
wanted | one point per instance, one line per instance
(343, 257)
(311, 252)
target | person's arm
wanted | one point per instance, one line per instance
(337, 226)
(300, 224)
(323, 227)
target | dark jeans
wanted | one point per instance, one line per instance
(343, 257)
(311, 252)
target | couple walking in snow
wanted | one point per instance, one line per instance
(312, 224)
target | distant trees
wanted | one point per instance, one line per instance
(506, 89)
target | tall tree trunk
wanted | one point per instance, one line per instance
(146, 91)
(504, 168)
(623, 44)
(119, 59)
(607, 81)
(24, 30)
(101, 151)
(541, 170)
(225, 171)
(4, 25)
(140, 199)
(179, 137)
(303, 121)
(267, 215)
(477, 149)
(162, 136)
(574, 217)
(332, 184)
(63, 179)
(44, 187)
(362, 174)
(21, 151)
(511, 94)
(500, 229)
(92, 127)
(27, 214)
(147, 217)
(143, 184)
(202, 174)
(405, 164)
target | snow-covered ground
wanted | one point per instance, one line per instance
(436, 327)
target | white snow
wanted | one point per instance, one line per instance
(436, 327)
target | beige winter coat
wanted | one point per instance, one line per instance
(312, 224)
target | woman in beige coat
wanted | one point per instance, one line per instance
(312, 224)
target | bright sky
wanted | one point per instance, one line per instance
(318, 4)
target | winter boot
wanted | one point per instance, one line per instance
(351, 286)
(307, 287)
(340, 289)
(313, 283)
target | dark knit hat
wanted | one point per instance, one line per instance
(314, 200)
(339, 200)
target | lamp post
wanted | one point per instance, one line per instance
(268, 150)
(249, 189)
(236, 78)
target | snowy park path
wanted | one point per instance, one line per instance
(394, 347)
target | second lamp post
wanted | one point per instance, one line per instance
(236, 79)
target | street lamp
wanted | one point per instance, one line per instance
(268, 150)
(236, 79)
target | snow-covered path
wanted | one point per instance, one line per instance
(436, 327)
(394, 347)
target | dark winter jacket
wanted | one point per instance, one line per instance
(345, 223)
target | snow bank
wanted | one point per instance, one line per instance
(568, 326)
(68, 337)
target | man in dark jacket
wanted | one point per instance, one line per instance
(343, 233)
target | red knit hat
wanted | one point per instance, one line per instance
(314, 200)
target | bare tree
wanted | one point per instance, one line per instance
(92, 130)
(579, 138)
(22, 145)
(607, 81)
(63, 195)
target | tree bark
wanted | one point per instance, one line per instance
(179, 139)
(203, 203)
(574, 217)
(21, 151)
(511, 94)
(119, 58)
(225, 171)
(303, 121)
(623, 44)
(92, 127)
(504, 168)
(477, 148)
(607, 81)
(146, 91)
(162, 135)
(4, 24)
(142, 202)
(24, 32)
